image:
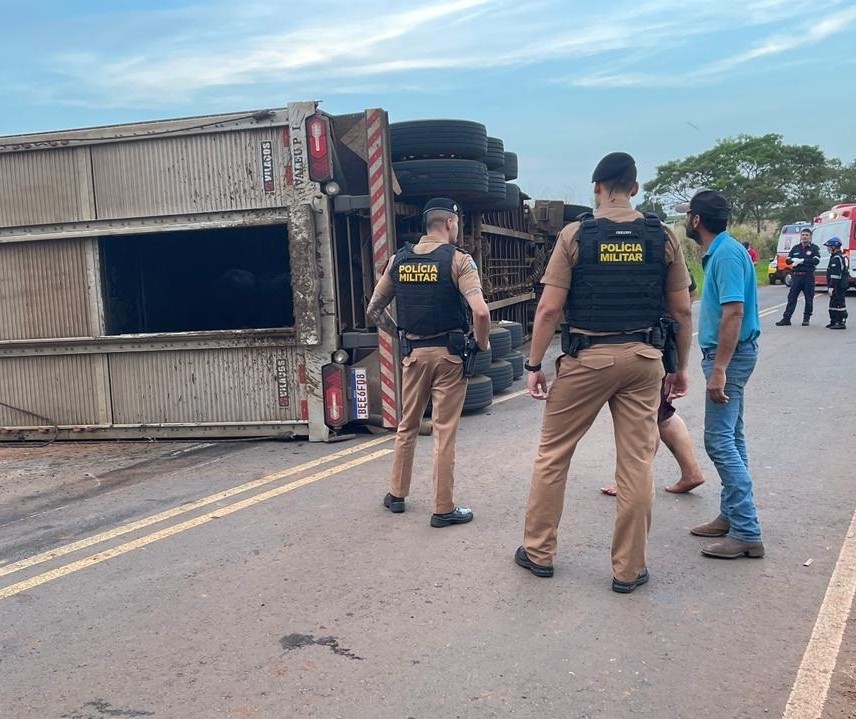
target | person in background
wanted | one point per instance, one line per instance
(753, 253)
(837, 279)
(802, 258)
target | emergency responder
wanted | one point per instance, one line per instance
(837, 279)
(802, 258)
(434, 284)
(612, 275)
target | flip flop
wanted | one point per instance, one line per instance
(609, 491)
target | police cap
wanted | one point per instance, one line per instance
(441, 203)
(709, 203)
(613, 165)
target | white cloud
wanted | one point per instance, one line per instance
(224, 47)
(809, 33)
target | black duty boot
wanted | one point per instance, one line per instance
(805, 322)
(783, 323)
(838, 326)
(459, 515)
(394, 504)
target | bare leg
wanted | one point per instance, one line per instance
(676, 437)
(612, 489)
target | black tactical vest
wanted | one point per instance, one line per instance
(618, 284)
(427, 300)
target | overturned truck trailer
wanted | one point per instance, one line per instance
(209, 276)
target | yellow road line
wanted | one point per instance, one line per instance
(513, 395)
(810, 689)
(182, 509)
(94, 559)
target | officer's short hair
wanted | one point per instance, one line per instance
(437, 218)
(439, 209)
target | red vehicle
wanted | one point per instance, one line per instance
(840, 222)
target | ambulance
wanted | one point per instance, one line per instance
(840, 222)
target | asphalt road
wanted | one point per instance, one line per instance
(262, 579)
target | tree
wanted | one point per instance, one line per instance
(649, 205)
(845, 184)
(761, 176)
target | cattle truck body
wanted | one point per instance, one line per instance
(178, 278)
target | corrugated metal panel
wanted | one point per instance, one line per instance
(43, 289)
(40, 188)
(182, 175)
(218, 385)
(66, 389)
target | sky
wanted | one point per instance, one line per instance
(561, 83)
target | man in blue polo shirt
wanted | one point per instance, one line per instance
(729, 326)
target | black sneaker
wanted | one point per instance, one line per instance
(459, 515)
(839, 326)
(393, 504)
(783, 323)
(539, 570)
(805, 323)
(627, 587)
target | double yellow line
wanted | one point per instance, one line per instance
(172, 530)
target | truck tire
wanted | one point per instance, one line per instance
(483, 360)
(495, 156)
(502, 375)
(460, 179)
(479, 393)
(516, 330)
(495, 193)
(510, 165)
(512, 198)
(515, 359)
(438, 138)
(571, 212)
(500, 342)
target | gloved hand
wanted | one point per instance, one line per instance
(796, 261)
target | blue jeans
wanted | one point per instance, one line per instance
(725, 442)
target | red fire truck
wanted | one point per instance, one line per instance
(840, 222)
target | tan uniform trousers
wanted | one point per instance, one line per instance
(628, 378)
(430, 373)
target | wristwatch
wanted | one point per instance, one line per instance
(531, 367)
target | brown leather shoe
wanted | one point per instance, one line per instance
(717, 528)
(730, 548)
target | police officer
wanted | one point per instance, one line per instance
(612, 275)
(434, 284)
(837, 279)
(802, 258)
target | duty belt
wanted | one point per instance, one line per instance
(441, 341)
(618, 339)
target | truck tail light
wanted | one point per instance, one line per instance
(318, 137)
(333, 379)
